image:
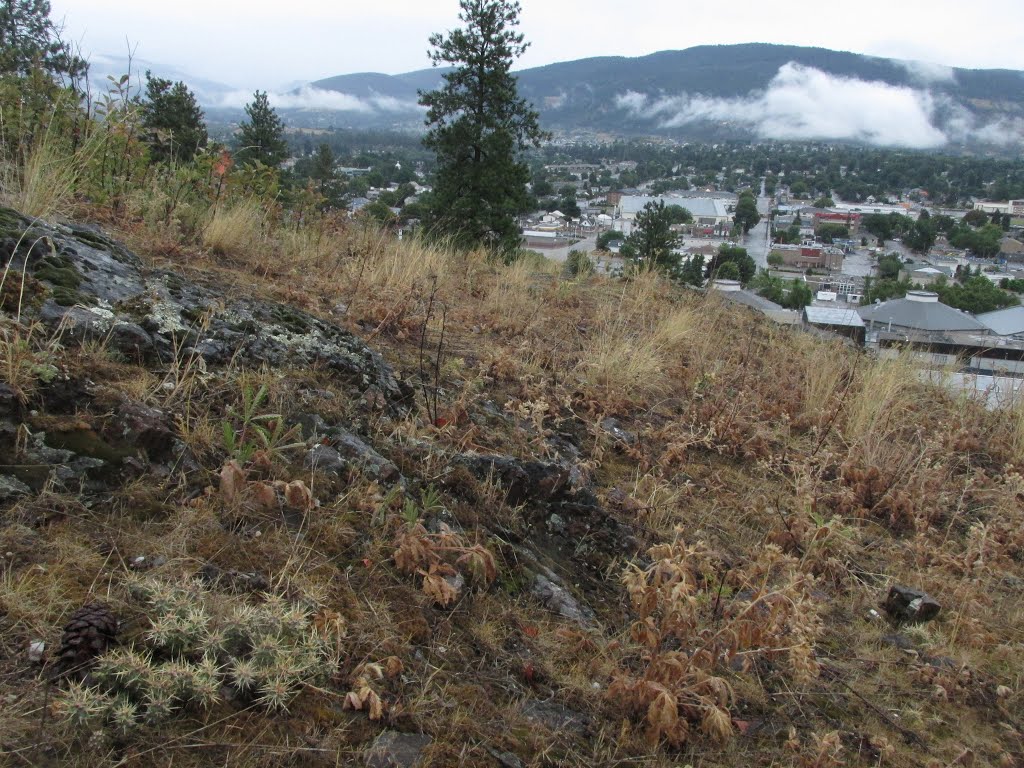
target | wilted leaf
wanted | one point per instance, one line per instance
(393, 666)
(298, 495)
(437, 587)
(716, 724)
(481, 564)
(232, 481)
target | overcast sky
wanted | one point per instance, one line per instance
(252, 44)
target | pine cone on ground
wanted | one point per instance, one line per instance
(90, 631)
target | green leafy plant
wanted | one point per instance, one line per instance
(248, 431)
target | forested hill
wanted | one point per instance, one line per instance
(771, 91)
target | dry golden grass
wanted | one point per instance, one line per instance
(882, 396)
(238, 230)
(44, 184)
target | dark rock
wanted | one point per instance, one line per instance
(10, 405)
(131, 340)
(359, 453)
(505, 759)
(557, 718)
(522, 481)
(12, 488)
(902, 642)
(142, 427)
(909, 604)
(552, 593)
(312, 426)
(613, 428)
(98, 288)
(326, 459)
(396, 750)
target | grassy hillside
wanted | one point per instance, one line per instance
(351, 498)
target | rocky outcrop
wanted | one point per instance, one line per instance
(94, 288)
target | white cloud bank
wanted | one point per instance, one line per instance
(806, 103)
(309, 97)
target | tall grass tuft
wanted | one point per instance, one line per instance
(882, 398)
(235, 230)
(44, 182)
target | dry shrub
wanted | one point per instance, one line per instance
(236, 230)
(727, 616)
(516, 298)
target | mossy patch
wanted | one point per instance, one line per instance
(20, 291)
(293, 321)
(12, 224)
(69, 297)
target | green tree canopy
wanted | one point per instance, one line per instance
(608, 237)
(829, 232)
(652, 239)
(889, 266)
(745, 265)
(478, 125)
(29, 40)
(746, 215)
(977, 294)
(678, 215)
(174, 125)
(261, 137)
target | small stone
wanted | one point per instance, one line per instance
(908, 604)
(36, 650)
(613, 428)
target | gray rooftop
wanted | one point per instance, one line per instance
(698, 206)
(833, 316)
(1004, 322)
(920, 311)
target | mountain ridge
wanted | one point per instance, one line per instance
(594, 94)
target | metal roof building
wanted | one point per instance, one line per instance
(1004, 322)
(701, 207)
(919, 311)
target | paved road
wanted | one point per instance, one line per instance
(758, 240)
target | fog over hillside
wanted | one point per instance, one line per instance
(753, 91)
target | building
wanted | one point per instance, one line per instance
(1012, 207)
(925, 275)
(733, 292)
(843, 218)
(846, 322)
(809, 256)
(711, 215)
(1007, 323)
(920, 311)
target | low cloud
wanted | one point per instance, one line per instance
(926, 72)
(806, 103)
(309, 97)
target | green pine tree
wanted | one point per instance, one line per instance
(478, 125)
(175, 130)
(261, 137)
(29, 40)
(652, 240)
